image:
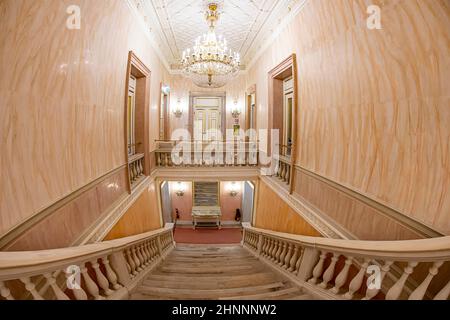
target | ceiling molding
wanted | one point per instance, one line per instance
(249, 26)
(146, 31)
(294, 12)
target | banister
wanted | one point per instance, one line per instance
(303, 259)
(10, 259)
(431, 247)
(110, 269)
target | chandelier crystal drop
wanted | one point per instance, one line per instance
(210, 63)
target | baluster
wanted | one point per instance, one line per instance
(288, 256)
(31, 288)
(283, 254)
(133, 168)
(131, 262)
(357, 281)
(110, 274)
(78, 293)
(274, 249)
(342, 276)
(420, 291)
(141, 166)
(160, 161)
(137, 262)
(318, 269)
(5, 292)
(91, 286)
(51, 281)
(299, 260)
(278, 252)
(127, 264)
(140, 256)
(169, 157)
(269, 248)
(288, 173)
(138, 169)
(147, 252)
(329, 273)
(396, 290)
(265, 246)
(295, 257)
(166, 159)
(155, 248)
(370, 293)
(442, 295)
(281, 170)
(101, 279)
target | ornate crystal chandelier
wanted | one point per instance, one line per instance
(210, 64)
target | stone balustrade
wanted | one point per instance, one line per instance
(106, 270)
(353, 269)
(212, 154)
(136, 168)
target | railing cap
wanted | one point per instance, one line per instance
(22, 259)
(437, 248)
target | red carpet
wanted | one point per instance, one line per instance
(208, 236)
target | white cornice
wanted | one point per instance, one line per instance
(289, 18)
(144, 28)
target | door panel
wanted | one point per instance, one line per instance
(207, 118)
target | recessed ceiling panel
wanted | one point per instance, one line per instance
(246, 24)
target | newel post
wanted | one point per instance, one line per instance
(243, 236)
(119, 265)
(309, 259)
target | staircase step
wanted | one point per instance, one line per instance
(195, 293)
(210, 282)
(215, 272)
(301, 297)
(266, 295)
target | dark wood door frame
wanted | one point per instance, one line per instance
(281, 71)
(142, 74)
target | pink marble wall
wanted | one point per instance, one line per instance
(62, 99)
(66, 224)
(373, 104)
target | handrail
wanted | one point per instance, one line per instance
(11, 259)
(118, 265)
(434, 248)
(324, 265)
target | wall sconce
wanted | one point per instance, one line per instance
(178, 112)
(180, 190)
(233, 189)
(236, 111)
(165, 89)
